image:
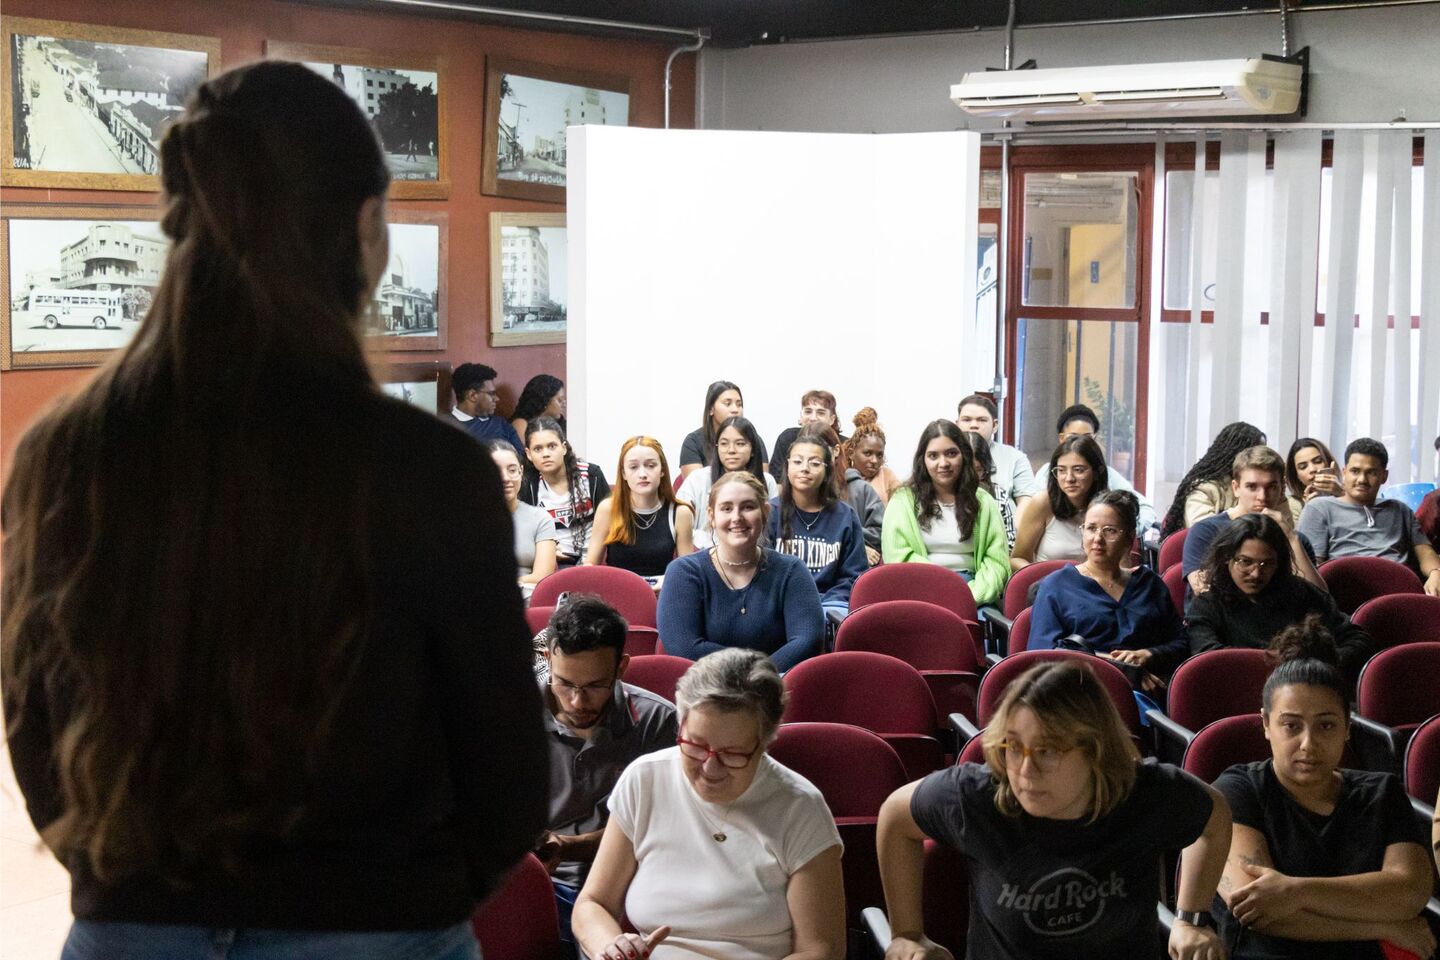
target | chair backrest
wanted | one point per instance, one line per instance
(1409, 494)
(922, 634)
(993, 684)
(1172, 549)
(1225, 743)
(1400, 686)
(1175, 582)
(870, 690)
(537, 617)
(1354, 580)
(1422, 762)
(1019, 632)
(625, 591)
(852, 768)
(973, 751)
(520, 921)
(1400, 618)
(1017, 591)
(657, 673)
(915, 581)
(1217, 684)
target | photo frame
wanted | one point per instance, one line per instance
(406, 96)
(410, 308)
(426, 385)
(85, 106)
(529, 300)
(527, 108)
(75, 281)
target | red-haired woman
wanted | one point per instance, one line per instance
(646, 526)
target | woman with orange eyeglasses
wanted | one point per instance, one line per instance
(645, 525)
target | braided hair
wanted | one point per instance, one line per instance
(1215, 465)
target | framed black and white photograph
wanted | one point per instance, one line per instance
(76, 281)
(408, 312)
(426, 385)
(85, 106)
(528, 106)
(405, 98)
(528, 270)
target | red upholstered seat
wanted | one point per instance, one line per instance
(520, 921)
(1206, 688)
(657, 673)
(1019, 632)
(992, 687)
(1422, 762)
(921, 581)
(1354, 580)
(931, 639)
(1225, 743)
(1172, 549)
(1399, 689)
(1400, 618)
(1175, 582)
(1017, 591)
(625, 591)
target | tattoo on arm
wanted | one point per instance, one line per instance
(1225, 884)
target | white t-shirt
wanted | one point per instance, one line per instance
(943, 543)
(723, 901)
(696, 492)
(1012, 471)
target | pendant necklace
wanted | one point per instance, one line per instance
(719, 836)
(809, 524)
(745, 595)
(648, 520)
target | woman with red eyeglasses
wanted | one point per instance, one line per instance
(713, 849)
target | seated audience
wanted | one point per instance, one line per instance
(1078, 420)
(817, 411)
(543, 396)
(866, 452)
(713, 849)
(739, 593)
(645, 526)
(853, 489)
(1359, 524)
(1310, 472)
(1123, 615)
(942, 516)
(809, 521)
(1050, 528)
(722, 401)
(1009, 479)
(1325, 863)
(563, 485)
(1256, 482)
(595, 725)
(1063, 830)
(535, 533)
(981, 460)
(1205, 490)
(1253, 594)
(1428, 513)
(737, 447)
(475, 401)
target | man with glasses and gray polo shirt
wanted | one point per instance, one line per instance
(594, 726)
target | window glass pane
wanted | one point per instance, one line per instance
(1179, 195)
(1077, 361)
(1417, 203)
(1080, 239)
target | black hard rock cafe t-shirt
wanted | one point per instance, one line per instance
(1063, 889)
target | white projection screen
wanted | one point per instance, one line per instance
(781, 261)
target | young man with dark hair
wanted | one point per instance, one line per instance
(1257, 479)
(595, 724)
(1078, 420)
(1428, 512)
(1359, 524)
(475, 401)
(1013, 478)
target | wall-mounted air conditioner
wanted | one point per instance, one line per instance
(1143, 91)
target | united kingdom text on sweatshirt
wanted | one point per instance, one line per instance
(831, 544)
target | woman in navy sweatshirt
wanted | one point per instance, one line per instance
(738, 593)
(810, 521)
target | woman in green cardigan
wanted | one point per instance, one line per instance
(942, 516)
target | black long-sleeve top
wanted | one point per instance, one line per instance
(434, 781)
(1216, 622)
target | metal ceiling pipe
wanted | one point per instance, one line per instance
(1284, 28)
(1002, 241)
(670, 63)
(539, 17)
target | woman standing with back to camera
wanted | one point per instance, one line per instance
(262, 700)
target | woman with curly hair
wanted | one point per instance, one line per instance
(543, 396)
(865, 452)
(1205, 490)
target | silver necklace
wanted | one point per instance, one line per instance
(745, 594)
(649, 520)
(809, 524)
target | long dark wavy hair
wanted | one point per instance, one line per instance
(927, 501)
(1214, 466)
(707, 424)
(828, 495)
(1250, 526)
(747, 429)
(1090, 452)
(979, 448)
(579, 525)
(187, 559)
(539, 391)
(1292, 474)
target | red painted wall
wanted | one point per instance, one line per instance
(243, 26)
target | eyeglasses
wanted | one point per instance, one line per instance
(1046, 759)
(1108, 534)
(733, 759)
(813, 464)
(580, 691)
(1079, 473)
(1246, 564)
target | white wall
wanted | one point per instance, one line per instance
(1366, 65)
(783, 262)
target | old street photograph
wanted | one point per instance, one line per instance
(533, 271)
(533, 117)
(92, 107)
(407, 301)
(404, 106)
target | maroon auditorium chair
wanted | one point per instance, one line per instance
(929, 638)
(1400, 618)
(1354, 580)
(920, 581)
(1208, 687)
(657, 673)
(1399, 689)
(625, 591)
(520, 921)
(1172, 550)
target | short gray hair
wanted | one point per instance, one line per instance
(733, 680)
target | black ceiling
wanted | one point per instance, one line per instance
(738, 22)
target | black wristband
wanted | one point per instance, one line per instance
(1196, 918)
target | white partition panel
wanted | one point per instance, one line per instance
(1429, 414)
(780, 261)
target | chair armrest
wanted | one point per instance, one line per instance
(988, 613)
(877, 928)
(965, 731)
(833, 619)
(1377, 747)
(1171, 738)
(993, 658)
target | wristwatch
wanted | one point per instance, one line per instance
(1196, 918)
